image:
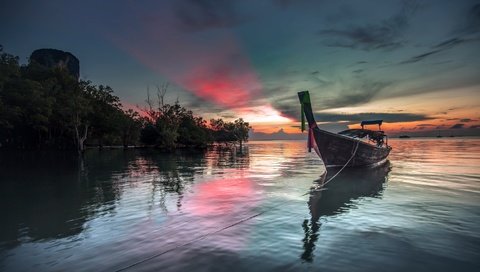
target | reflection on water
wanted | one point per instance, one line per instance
(187, 211)
(338, 196)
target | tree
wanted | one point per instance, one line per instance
(236, 131)
(47, 107)
(241, 129)
(107, 116)
(80, 111)
(130, 126)
(171, 125)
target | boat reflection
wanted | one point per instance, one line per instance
(338, 196)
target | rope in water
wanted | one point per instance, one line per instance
(190, 242)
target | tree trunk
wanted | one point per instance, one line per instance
(81, 139)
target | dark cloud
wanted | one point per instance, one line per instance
(440, 47)
(457, 126)
(471, 24)
(475, 126)
(466, 120)
(358, 71)
(315, 73)
(424, 126)
(420, 57)
(386, 35)
(362, 92)
(228, 116)
(195, 15)
(462, 34)
(358, 117)
(449, 43)
(288, 106)
(284, 4)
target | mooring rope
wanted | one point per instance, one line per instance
(190, 242)
(354, 151)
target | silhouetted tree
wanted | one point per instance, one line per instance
(47, 107)
(240, 131)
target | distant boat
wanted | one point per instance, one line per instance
(403, 136)
(350, 148)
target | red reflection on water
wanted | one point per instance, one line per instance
(221, 197)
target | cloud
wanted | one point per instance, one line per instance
(423, 126)
(358, 117)
(215, 68)
(420, 57)
(440, 47)
(386, 35)
(475, 126)
(457, 126)
(284, 4)
(465, 33)
(196, 15)
(361, 93)
(466, 120)
(471, 25)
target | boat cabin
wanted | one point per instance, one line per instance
(376, 137)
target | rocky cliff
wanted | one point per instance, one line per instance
(53, 58)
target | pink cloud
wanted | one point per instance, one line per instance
(211, 64)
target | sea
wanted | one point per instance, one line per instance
(262, 208)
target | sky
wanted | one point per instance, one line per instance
(415, 63)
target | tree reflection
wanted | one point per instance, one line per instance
(53, 195)
(338, 196)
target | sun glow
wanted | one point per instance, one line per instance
(264, 115)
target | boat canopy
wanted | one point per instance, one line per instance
(372, 122)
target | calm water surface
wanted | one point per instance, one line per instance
(257, 210)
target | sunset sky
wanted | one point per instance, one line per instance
(414, 64)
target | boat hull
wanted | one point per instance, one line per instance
(336, 150)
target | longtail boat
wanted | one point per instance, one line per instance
(348, 148)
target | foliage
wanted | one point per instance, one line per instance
(236, 131)
(170, 125)
(48, 108)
